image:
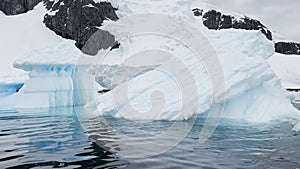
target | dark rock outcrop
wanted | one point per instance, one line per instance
(14, 7)
(198, 12)
(293, 90)
(94, 40)
(288, 48)
(216, 20)
(78, 20)
(49, 4)
(104, 91)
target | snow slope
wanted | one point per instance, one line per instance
(287, 68)
(20, 34)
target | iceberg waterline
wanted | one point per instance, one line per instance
(51, 86)
(252, 89)
(251, 86)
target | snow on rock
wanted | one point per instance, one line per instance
(213, 19)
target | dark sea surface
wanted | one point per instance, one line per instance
(56, 139)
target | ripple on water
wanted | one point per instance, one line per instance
(55, 138)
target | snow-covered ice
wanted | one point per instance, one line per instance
(251, 86)
(56, 78)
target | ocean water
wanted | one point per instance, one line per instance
(44, 138)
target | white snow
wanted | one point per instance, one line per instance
(21, 34)
(287, 68)
(64, 53)
(12, 79)
(89, 6)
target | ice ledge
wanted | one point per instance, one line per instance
(52, 86)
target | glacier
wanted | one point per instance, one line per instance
(253, 91)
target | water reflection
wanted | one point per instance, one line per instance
(55, 138)
(49, 137)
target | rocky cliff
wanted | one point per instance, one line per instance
(213, 19)
(216, 20)
(72, 19)
(288, 48)
(78, 20)
(14, 7)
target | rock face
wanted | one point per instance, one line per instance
(216, 20)
(14, 7)
(78, 20)
(288, 48)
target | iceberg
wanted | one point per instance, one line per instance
(106, 75)
(252, 88)
(253, 91)
(55, 80)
